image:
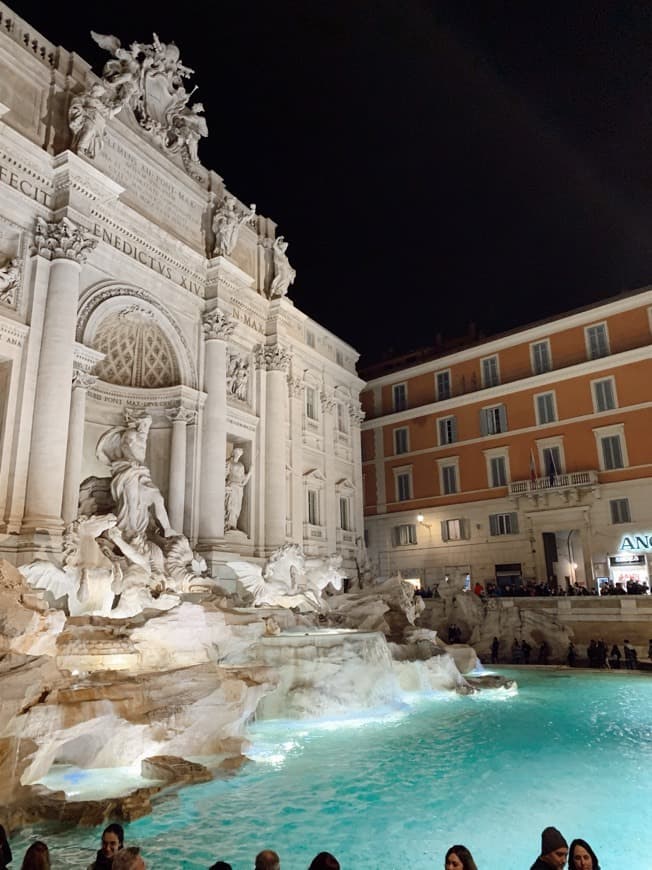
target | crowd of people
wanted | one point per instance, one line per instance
(554, 853)
(114, 855)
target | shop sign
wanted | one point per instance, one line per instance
(636, 543)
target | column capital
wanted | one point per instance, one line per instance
(356, 412)
(272, 358)
(295, 385)
(63, 239)
(181, 414)
(82, 380)
(327, 401)
(217, 324)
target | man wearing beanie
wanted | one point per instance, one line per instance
(554, 851)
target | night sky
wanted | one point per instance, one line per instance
(430, 163)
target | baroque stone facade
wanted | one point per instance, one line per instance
(132, 280)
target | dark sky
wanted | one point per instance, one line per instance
(430, 163)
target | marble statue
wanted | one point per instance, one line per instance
(226, 224)
(290, 580)
(149, 80)
(9, 275)
(284, 274)
(235, 478)
(88, 577)
(237, 377)
(133, 490)
(87, 117)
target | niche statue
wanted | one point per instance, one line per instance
(235, 479)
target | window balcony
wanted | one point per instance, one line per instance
(554, 483)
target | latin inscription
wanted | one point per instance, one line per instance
(25, 186)
(151, 192)
(145, 258)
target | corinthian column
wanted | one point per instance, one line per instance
(81, 381)
(67, 246)
(218, 327)
(276, 362)
(180, 417)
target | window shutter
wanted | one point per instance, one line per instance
(444, 530)
(465, 529)
(484, 426)
(502, 413)
(513, 522)
(453, 429)
(493, 524)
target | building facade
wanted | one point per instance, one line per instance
(526, 457)
(133, 282)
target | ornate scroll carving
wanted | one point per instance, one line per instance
(327, 401)
(82, 380)
(62, 239)
(181, 414)
(295, 386)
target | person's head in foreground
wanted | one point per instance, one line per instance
(267, 860)
(459, 858)
(582, 857)
(324, 861)
(113, 838)
(37, 857)
(221, 865)
(554, 849)
(128, 858)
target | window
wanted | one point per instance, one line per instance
(401, 443)
(493, 420)
(403, 481)
(503, 524)
(455, 530)
(311, 403)
(490, 376)
(619, 508)
(313, 507)
(443, 381)
(310, 339)
(449, 479)
(399, 394)
(611, 447)
(597, 341)
(604, 394)
(448, 475)
(541, 359)
(345, 513)
(551, 464)
(497, 471)
(545, 408)
(342, 418)
(612, 452)
(447, 428)
(404, 534)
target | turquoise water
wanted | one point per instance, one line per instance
(570, 749)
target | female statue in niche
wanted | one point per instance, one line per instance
(235, 478)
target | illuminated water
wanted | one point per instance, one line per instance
(569, 749)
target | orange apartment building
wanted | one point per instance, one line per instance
(525, 457)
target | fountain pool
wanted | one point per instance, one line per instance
(394, 789)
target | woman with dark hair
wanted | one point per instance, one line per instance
(582, 857)
(5, 850)
(324, 861)
(37, 857)
(113, 839)
(459, 858)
